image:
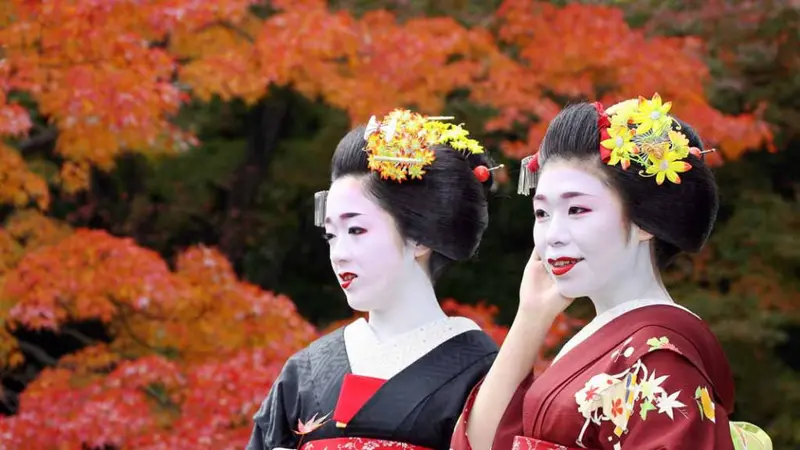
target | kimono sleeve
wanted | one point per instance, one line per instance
(510, 424)
(274, 420)
(669, 404)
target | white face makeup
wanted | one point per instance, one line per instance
(367, 253)
(581, 235)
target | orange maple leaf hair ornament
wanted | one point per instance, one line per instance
(400, 144)
(638, 130)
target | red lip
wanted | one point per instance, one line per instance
(566, 264)
(346, 278)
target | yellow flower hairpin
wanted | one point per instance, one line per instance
(641, 131)
(400, 144)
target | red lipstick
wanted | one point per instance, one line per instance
(560, 266)
(347, 278)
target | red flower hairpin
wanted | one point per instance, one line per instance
(603, 122)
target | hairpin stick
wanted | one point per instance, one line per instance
(397, 159)
(697, 152)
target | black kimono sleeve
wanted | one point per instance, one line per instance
(273, 427)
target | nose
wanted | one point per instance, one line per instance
(557, 234)
(339, 251)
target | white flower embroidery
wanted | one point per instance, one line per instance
(613, 397)
(667, 403)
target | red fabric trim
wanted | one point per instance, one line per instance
(524, 443)
(356, 391)
(460, 441)
(356, 443)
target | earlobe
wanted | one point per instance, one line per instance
(420, 250)
(642, 235)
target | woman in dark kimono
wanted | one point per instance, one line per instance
(403, 203)
(618, 196)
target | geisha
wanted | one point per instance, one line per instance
(408, 197)
(618, 195)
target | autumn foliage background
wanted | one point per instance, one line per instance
(158, 261)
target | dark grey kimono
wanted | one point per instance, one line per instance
(418, 406)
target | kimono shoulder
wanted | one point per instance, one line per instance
(293, 392)
(667, 382)
(667, 328)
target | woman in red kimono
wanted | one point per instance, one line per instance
(617, 197)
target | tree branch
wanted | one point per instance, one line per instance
(228, 26)
(266, 122)
(37, 353)
(150, 392)
(45, 138)
(82, 338)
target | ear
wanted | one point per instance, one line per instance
(640, 235)
(420, 250)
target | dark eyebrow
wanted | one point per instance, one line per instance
(344, 216)
(565, 195)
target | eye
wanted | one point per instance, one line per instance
(575, 210)
(356, 230)
(539, 213)
(327, 236)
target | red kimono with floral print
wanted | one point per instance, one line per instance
(652, 378)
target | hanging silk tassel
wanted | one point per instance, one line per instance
(319, 208)
(528, 178)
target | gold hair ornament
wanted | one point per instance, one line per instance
(641, 131)
(400, 144)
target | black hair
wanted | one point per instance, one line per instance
(446, 210)
(679, 216)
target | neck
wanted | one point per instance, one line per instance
(412, 305)
(636, 281)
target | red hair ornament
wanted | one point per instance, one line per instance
(603, 122)
(482, 172)
(528, 174)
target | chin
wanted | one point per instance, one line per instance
(571, 289)
(360, 303)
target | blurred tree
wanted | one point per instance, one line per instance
(191, 125)
(173, 337)
(109, 77)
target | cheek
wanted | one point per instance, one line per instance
(604, 236)
(538, 234)
(381, 249)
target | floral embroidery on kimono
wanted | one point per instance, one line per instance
(661, 343)
(705, 404)
(612, 397)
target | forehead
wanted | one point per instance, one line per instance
(347, 195)
(559, 177)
